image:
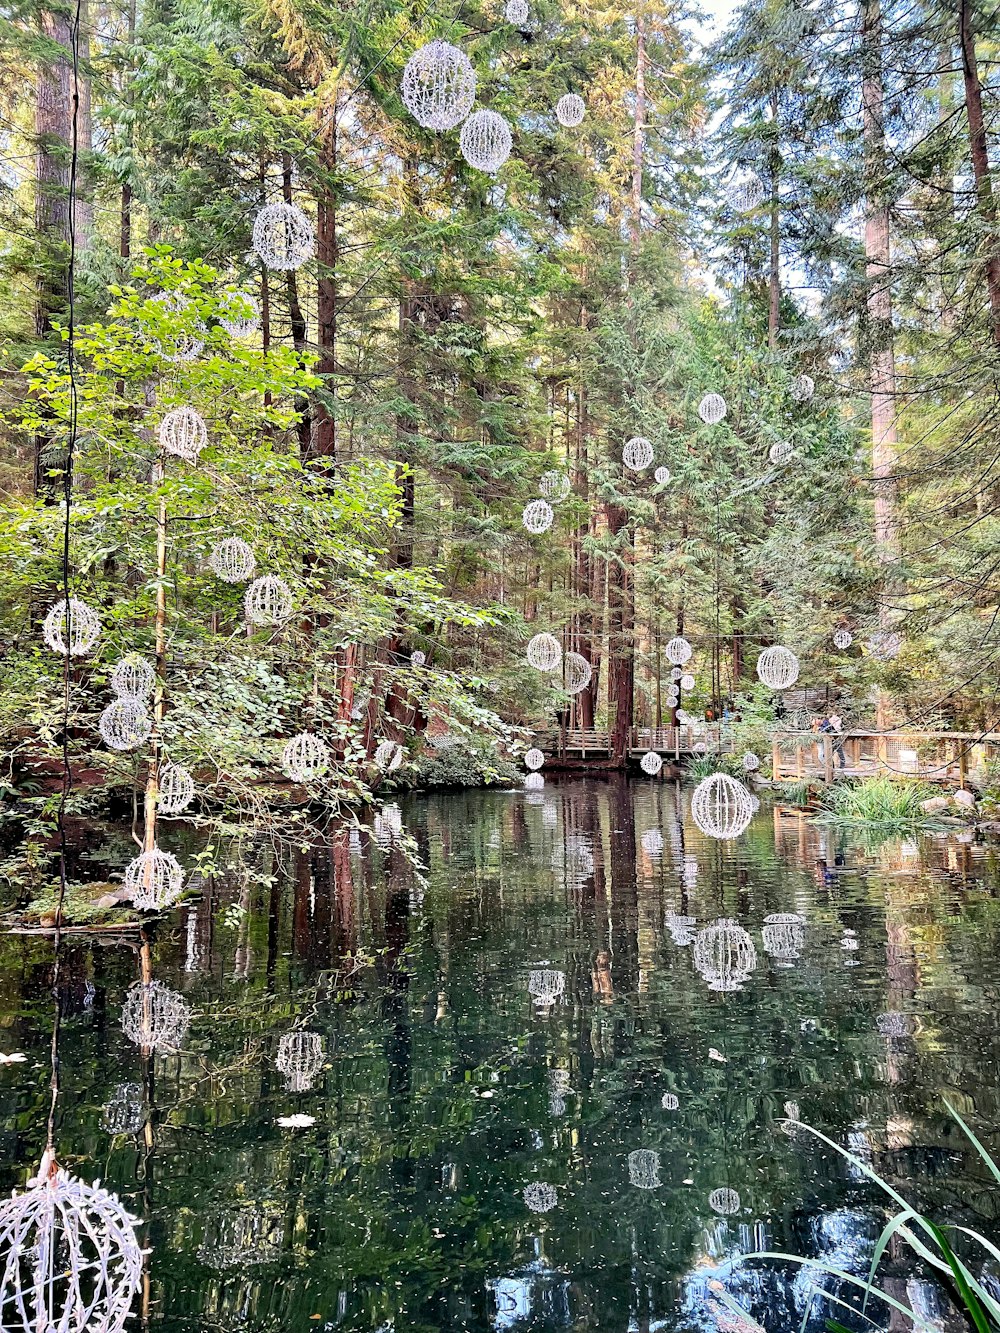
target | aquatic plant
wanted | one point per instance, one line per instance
(879, 800)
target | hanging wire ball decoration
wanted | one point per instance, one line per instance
(300, 1059)
(439, 85)
(676, 673)
(750, 761)
(183, 433)
(174, 789)
(726, 1202)
(388, 756)
(133, 677)
(71, 628)
(516, 11)
(684, 719)
(417, 658)
(778, 667)
(670, 1101)
(240, 316)
(154, 880)
(783, 935)
(652, 842)
(678, 651)
(687, 681)
(305, 757)
(842, 638)
(644, 1169)
(803, 388)
(533, 782)
(540, 1197)
(553, 485)
(125, 724)
(388, 824)
(537, 516)
(721, 806)
(780, 451)
(570, 110)
(746, 194)
(673, 694)
(544, 652)
(233, 560)
(71, 1262)
(651, 763)
(154, 1016)
(637, 453)
(283, 237)
(712, 409)
(724, 954)
(125, 1112)
(183, 344)
(268, 600)
(884, 645)
(534, 759)
(545, 985)
(442, 740)
(485, 141)
(661, 476)
(577, 673)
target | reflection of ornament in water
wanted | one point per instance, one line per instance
(652, 842)
(387, 824)
(125, 1112)
(670, 1101)
(644, 1169)
(682, 928)
(689, 871)
(544, 652)
(778, 667)
(534, 759)
(724, 1201)
(72, 634)
(69, 1258)
(242, 1236)
(893, 1024)
(540, 1197)
(533, 782)
(849, 940)
(545, 986)
(550, 814)
(558, 1090)
(578, 864)
(783, 935)
(678, 651)
(721, 806)
(651, 763)
(299, 1058)
(790, 1124)
(154, 880)
(154, 1016)
(724, 955)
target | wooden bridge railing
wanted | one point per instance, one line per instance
(944, 756)
(665, 740)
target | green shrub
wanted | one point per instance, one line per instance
(879, 800)
(464, 765)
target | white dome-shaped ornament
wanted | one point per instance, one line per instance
(712, 409)
(534, 759)
(554, 486)
(300, 1059)
(233, 560)
(651, 763)
(746, 194)
(154, 880)
(678, 651)
(780, 452)
(540, 1197)
(283, 237)
(726, 1202)
(803, 388)
(174, 789)
(125, 724)
(154, 1016)
(133, 677)
(687, 681)
(388, 756)
(637, 453)
(545, 986)
(725, 956)
(439, 85)
(783, 936)
(570, 110)
(537, 516)
(516, 11)
(485, 141)
(750, 761)
(305, 757)
(183, 433)
(268, 600)
(544, 652)
(721, 806)
(670, 1101)
(644, 1169)
(842, 638)
(239, 316)
(661, 476)
(71, 629)
(577, 673)
(778, 667)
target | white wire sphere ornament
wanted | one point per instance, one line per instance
(842, 638)
(724, 954)
(300, 1059)
(485, 141)
(71, 1259)
(712, 409)
(661, 476)
(182, 344)
(778, 667)
(721, 806)
(305, 757)
(570, 110)
(240, 316)
(884, 645)
(154, 1016)
(534, 759)
(439, 85)
(233, 560)
(154, 880)
(516, 11)
(540, 1197)
(803, 388)
(553, 485)
(726, 1202)
(644, 1169)
(678, 651)
(183, 433)
(780, 452)
(268, 600)
(687, 681)
(651, 763)
(577, 673)
(783, 935)
(544, 652)
(670, 1101)
(637, 453)
(417, 658)
(750, 761)
(746, 194)
(283, 237)
(133, 677)
(174, 789)
(537, 516)
(125, 724)
(545, 986)
(388, 756)
(71, 628)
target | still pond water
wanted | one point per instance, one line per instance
(440, 1088)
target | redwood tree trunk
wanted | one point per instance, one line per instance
(621, 636)
(327, 254)
(774, 276)
(979, 153)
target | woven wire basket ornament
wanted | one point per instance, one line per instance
(516, 11)
(661, 476)
(533, 782)
(712, 409)
(842, 638)
(154, 1016)
(540, 1197)
(240, 316)
(545, 986)
(439, 86)
(183, 433)
(534, 759)
(133, 677)
(780, 452)
(485, 141)
(644, 1169)
(778, 667)
(570, 110)
(884, 645)
(670, 1101)
(724, 954)
(577, 673)
(154, 880)
(783, 936)
(544, 652)
(651, 763)
(125, 724)
(125, 1111)
(268, 600)
(388, 756)
(283, 237)
(300, 1059)
(750, 761)
(71, 628)
(553, 485)
(537, 516)
(174, 789)
(678, 651)
(687, 681)
(233, 560)
(721, 806)
(71, 1262)
(417, 658)
(745, 195)
(803, 388)
(637, 453)
(726, 1202)
(305, 757)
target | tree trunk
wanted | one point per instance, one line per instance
(979, 153)
(621, 636)
(405, 478)
(296, 318)
(327, 254)
(774, 275)
(638, 129)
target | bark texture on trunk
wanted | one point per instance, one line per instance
(774, 275)
(979, 153)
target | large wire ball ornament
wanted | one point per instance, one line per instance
(577, 673)
(516, 11)
(545, 986)
(125, 724)
(570, 110)
(533, 782)
(670, 1101)
(268, 600)
(661, 476)
(721, 806)
(305, 757)
(745, 195)
(537, 516)
(687, 681)
(183, 344)
(388, 756)
(637, 454)
(154, 880)
(439, 86)
(725, 1202)
(780, 452)
(485, 141)
(803, 388)
(534, 759)
(417, 658)
(174, 789)
(544, 652)
(283, 237)
(644, 1169)
(133, 677)
(154, 1016)
(678, 651)
(750, 761)
(553, 485)
(724, 954)
(778, 667)
(842, 638)
(884, 645)
(233, 560)
(783, 936)
(71, 1261)
(540, 1197)
(71, 628)
(712, 409)
(240, 316)
(125, 1111)
(651, 763)
(300, 1059)
(183, 433)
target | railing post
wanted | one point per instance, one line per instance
(775, 760)
(827, 757)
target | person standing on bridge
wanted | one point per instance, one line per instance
(836, 726)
